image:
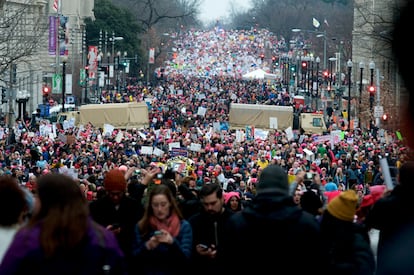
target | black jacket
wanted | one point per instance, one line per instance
(274, 234)
(103, 211)
(208, 230)
(347, 245)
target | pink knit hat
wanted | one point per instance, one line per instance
(229, 195)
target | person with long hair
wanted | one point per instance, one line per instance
(60, 237)
(13, 208)
(163, 239)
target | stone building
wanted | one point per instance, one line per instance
(27, 63)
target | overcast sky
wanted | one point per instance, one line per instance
(212, 10)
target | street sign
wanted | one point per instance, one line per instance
(82, 77)
(378, 111)
(57, 84)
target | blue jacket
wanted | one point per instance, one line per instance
(165, 259)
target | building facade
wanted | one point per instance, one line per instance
(372, 59)
(27, 63)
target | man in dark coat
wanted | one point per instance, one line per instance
(208, 230)
(273, 232)
(117, 211)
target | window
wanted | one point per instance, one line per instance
(317, 122)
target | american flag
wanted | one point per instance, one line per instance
(56, 5)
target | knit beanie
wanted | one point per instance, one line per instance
(331, 186)
(273, 179)
(115, 181)
(229, 195)
(344, 206)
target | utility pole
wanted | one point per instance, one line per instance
(11, 111)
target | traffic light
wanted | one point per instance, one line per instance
(3, 95)
(293, 68)
(262, 57)
(45, 91)
(325, 74)
(371, 90)
(384, 117)
(304, 65)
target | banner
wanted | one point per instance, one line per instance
(52, 35)
(151, 59)
(92, 63)
(56, 84)
(63, 35)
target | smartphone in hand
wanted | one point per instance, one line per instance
(203, 246)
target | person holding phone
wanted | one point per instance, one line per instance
(208, 229)
(163, 238)
(117, 211)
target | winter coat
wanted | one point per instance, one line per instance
(274, 234)
(165, 259)
(97, 251)
(347, 245)
(103, 211)
(208, 230)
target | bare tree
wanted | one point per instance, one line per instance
(22, 28)
(151, 13)
(158, 17)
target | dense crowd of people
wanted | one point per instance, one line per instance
(189, 194)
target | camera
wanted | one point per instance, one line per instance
(137, 172)
(308, 180)
(309, 176)
(160, 176)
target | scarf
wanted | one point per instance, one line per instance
(171, 224)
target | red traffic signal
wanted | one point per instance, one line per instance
(371, 89)
(304, 64)
(384, 117)
(45, 90)
(262, 56)
(325, 73)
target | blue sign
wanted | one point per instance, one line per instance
(179, 152)
(44, 110)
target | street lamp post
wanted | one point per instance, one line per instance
(297, 71)
(309, 73)
(317, 60)
(349, 65)
(22, 97)
(63, 83)
(318, 34)
(108, 67)
(371, 83)
(361, 74)
(112, 53)
(324, 47)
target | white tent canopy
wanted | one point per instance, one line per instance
(259, 74)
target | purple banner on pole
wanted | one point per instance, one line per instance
(52, 35)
